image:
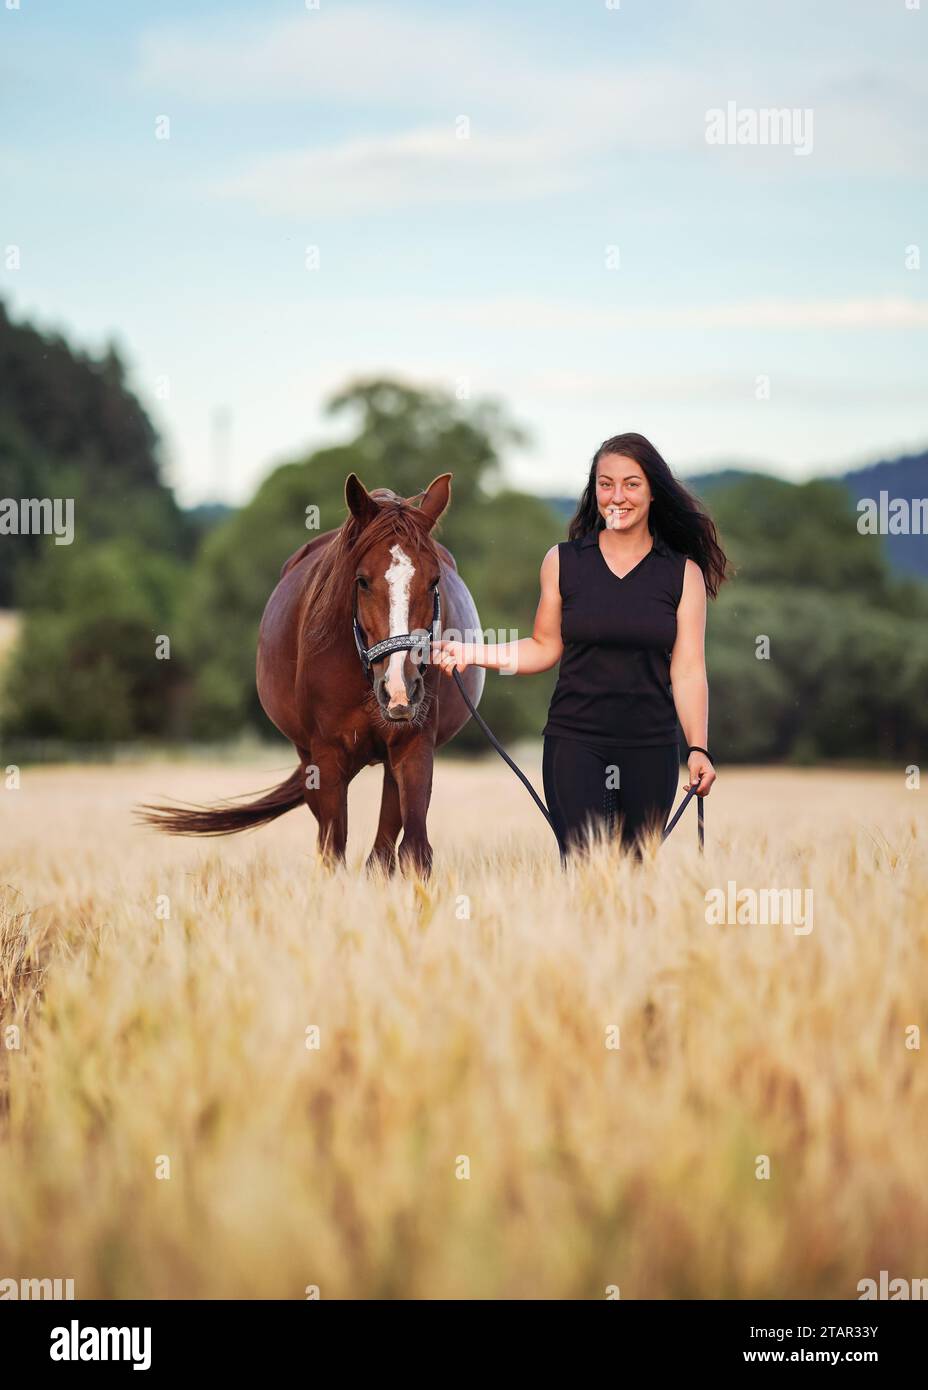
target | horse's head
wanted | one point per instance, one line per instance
(396, 574)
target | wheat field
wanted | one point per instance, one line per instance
(226, 1072)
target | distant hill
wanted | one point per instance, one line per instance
(206, 515)
(704, 484)
(564, 506)
(903, 477)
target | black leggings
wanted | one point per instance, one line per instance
(593, 783)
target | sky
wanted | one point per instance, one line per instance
(511, 198)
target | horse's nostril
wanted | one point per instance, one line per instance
(401, 710)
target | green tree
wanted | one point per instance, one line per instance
(85, 667)
(405, 437)
(800, 534)
(70, 427)
(834, 679)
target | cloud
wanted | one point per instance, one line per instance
(595, 388)
(521, 314)
(355, 60)
(623, 388)
(382, 172)
(361, 55)
(675, 389)
(539, 125)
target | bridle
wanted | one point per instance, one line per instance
(404, 641)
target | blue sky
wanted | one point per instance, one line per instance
(481, 262)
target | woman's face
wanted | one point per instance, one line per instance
(622, 492)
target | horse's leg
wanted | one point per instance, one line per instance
(391, 821)
(325, 792)
(412, 768)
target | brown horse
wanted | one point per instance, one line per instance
(383, 567)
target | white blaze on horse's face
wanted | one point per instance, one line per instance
(398, 577)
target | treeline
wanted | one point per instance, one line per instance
(844, 668)
(815, 649)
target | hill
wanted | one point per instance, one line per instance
(905, 477)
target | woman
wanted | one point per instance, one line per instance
(623, 608)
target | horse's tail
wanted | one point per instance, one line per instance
(228, 817)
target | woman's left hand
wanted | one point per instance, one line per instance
(702, 774)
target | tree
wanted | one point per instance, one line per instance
(85, 667)
(70, 427)
(405, 438)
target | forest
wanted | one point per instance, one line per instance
(815, 646)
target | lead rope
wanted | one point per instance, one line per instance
(700, 823)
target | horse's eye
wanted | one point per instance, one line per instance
(362, 582)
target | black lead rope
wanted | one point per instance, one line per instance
(700, 823)
(700, 819)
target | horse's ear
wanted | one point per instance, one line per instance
(359, 501)
(437, 496)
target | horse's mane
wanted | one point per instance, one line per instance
(327, 605)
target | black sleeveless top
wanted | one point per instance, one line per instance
(614, 679)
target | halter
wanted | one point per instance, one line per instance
(404, 641)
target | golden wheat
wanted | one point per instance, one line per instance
(467, 1126)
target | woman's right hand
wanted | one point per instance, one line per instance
(448, 654)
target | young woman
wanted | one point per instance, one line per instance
(623, 608)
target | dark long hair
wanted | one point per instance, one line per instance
(675, 515)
